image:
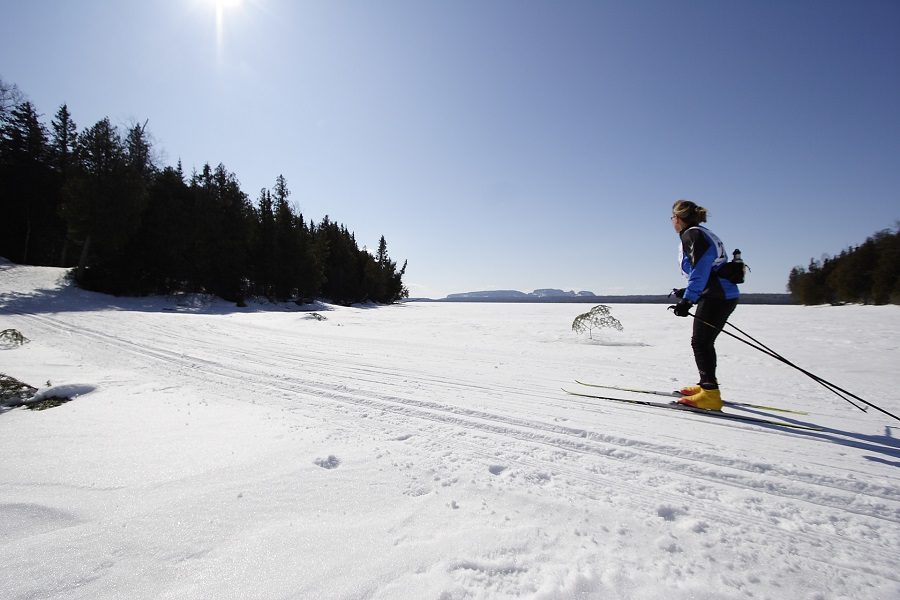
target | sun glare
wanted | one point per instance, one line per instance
(221, 7)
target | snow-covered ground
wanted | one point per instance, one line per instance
(426, 451)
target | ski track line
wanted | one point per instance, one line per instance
(291, 363)
(354, 368)
(407, 413)
(180, 357)
(356, 401)
(586, 405)
(329, 372)
(733, 518)
(608, 480)
(488, 423)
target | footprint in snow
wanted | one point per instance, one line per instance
(496, 469)
(331, 462)
(669, 513)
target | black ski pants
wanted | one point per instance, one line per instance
(715, 312)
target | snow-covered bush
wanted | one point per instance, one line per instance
(12, 337)
(597, 318)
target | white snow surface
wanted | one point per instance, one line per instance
(426, 451)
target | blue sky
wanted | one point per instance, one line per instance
(507, 144)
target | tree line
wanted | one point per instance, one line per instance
(95, 200)
(867, 274)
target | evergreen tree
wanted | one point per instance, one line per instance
(162, 251)
(313, 252)
(103, 206)
(264, 246)
(383, 281)
(137, 152)
(223, 238)
(886, 271)
(28, 203)
(869, 273)
(851, 278)
(63, 148)
(287, 244)
(64, 141)
(142, 230)
(343, 269)
(396, 289)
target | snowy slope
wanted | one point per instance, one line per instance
(426, 451)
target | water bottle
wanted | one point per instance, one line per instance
(739, 268)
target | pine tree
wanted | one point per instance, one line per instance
(381, 257)
(264, 245)
(227, 233)
(312, 253)
(869, 273)
(24, 172)
(143, 230)
(137, 152)
(63, 149)
(383, 281)
(886, 271)
(103, 206)
(343, 279)
(64, 142)
(287, 244)
(162, 251)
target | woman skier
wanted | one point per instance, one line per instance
(702, 255)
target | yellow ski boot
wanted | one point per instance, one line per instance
(704, 400)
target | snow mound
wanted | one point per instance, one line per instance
(70, 391)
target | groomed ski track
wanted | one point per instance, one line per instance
(445, 423)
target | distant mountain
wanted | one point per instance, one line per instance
(554, 295)
(495, 295)
(487, 295)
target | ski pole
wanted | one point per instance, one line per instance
(827, 384)
(766, 350)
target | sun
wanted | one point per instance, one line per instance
(221, 7)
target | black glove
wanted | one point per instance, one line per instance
(677, 292)
(681, 309)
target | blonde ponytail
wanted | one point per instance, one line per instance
(689, 212)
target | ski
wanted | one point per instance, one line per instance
(677, 394)
(706, 413)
